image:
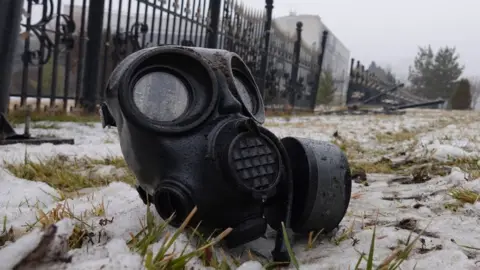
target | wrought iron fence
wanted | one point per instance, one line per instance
(67, 48)
(291, 81)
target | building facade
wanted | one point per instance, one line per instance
(337, 57)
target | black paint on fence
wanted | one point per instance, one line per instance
(67, 48)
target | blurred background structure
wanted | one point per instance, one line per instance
(66, 50)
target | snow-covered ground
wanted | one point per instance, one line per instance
(394, 204)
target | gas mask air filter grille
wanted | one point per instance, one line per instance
(254, 161)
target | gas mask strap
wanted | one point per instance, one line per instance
(106, 117)
(280, 252)
(251, 126)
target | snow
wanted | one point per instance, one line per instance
(395, 207)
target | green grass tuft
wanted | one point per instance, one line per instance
(464, 195)
(394, 260)
(69, 175)
(163, 259)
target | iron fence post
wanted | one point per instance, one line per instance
(321, 55)
(293, 85)
(351, 82)
(10, 19)
(94, 44)
(266, 32)
(212, 38)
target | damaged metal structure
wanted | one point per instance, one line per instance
(368, 94)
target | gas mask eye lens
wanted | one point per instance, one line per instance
(244, 94)
(161, 96)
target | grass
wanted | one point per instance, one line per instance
(464, 195)
(287, 114)
(390, 137)
(62, 210)
(80, 230)
(312, 239)
(6, 234)
(407, 134)
(284, 113)
(382, 166)
(346, 234)
(46, 126)
(467, 247)
(153, 231)
(470, 165)
(418, 167)
(291, 254)
(63, 173)
(394, 260)
(18, 117)
(118, 162)
(391, 262)
(165, 258)
(351, 148)
(69, 175)
(453, 206)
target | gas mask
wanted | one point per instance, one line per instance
(189, 123)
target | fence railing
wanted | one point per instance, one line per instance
(67, 49)
(364, 84)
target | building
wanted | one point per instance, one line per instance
(337, 56)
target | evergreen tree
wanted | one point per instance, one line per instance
(384, 74)
(434, 75)
(391, 78)
(326, 88)
(462, 98)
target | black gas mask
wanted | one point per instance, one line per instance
(189, 121)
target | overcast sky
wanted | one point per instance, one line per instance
(389, 32)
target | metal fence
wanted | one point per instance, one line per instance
(67, 48)
(367, 85)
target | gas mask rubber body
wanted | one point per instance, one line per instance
(189, 123)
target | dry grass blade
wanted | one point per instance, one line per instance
(7, 235)
(181, 261)
(387, 261)
(312, 239)
(346, 234)
(194, 232)
(465, 246)
(403, 254)
(180, 230)
(464, 195)
(149, 234)
(152, 232)
(59, 212)
(395, 259)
